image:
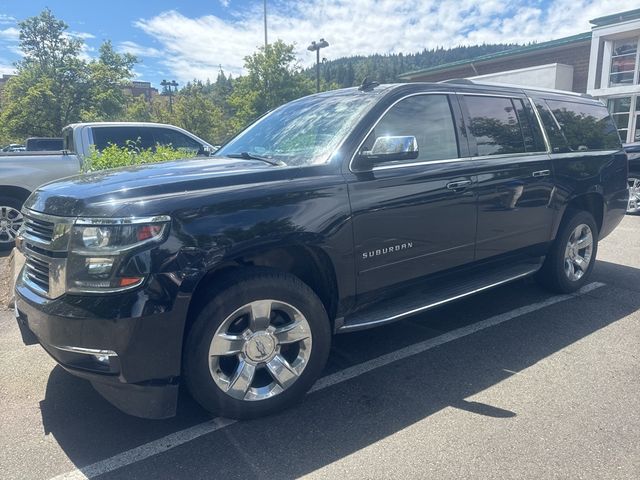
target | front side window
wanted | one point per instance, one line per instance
(303, 132)
(585, 126)
(122, 137)
(168, 137)
(428, 118)
(624, 59)
(494, 124)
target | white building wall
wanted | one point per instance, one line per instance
(553, 75)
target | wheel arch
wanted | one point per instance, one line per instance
(14, 192)
(592, 202)
(310, 264)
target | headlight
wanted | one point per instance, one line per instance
(101, 250)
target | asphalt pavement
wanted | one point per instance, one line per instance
(511, 383)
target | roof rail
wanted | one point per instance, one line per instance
(466, 81)
(463, 81)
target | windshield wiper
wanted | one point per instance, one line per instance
(251, 156)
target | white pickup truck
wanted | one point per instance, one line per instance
(22, 172)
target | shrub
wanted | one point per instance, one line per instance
(114, 156)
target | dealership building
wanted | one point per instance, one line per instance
(604, 62)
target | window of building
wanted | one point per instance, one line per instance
(624, 62)
(494, 124)
(426, 117)
(620, 109)
(585, 126)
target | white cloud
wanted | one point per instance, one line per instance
(81, 35)
(10, 33)
(138, 50)
(195, 47)
(225, 3)
(6, 19)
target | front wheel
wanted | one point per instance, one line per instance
(634, 193)
(11, 220)
(257, 346)
(571, 257)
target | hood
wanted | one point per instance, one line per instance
(132, 190)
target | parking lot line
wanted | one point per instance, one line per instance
(181, 437)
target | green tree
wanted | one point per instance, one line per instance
(108, 75)
(54, 86)
(273, 78)
(196, 112)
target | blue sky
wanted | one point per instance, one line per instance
(190, 39)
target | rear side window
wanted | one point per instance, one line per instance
(169, 137)
(558, 143)
(426, 117)
(585, 126)
(493, 121)
(122, 137)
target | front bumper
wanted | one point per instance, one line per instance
(144, 329)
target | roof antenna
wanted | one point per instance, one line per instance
(368, 85)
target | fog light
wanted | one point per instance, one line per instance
(103, 358)
(99, 266)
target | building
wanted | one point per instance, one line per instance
(604, 63)
(561, 63)
(614, 69)
(137, 88)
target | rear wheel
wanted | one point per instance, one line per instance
(634, 193)
(257, 346)
(10, 221)
(571, 258)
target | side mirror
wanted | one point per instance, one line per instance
(388, 149)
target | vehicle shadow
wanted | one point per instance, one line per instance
(340, 420)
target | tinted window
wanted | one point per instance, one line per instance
(168, 137)
(531, 132)
(585, 126)
(122, 136)
(494, 124)
(426, 117)
(558, 143)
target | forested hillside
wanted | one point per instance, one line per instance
(349, 71)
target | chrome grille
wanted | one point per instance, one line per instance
(37, 272)
(44, 240)
(38, 228)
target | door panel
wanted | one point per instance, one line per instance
(408, 224)
(515, 175)
(514, 204)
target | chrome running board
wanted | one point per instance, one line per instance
(420, 300)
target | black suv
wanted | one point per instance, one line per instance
(333, 213)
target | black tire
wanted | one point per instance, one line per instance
(553, 275)
(240, 289)
(12, 203)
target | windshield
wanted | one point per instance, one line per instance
(303, 132)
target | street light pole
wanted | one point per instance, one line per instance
(265, 26)
(316, 47)
(167, 86)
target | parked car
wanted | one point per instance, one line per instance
(44, 144)
(13, 147)
(633, 152)
(22, 172)
(336, 212)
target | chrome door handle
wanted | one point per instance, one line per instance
(458, 185)
(542, 173)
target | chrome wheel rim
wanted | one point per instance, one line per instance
(11, 220)
(260, 350)
(634, 195)
(577, 254)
